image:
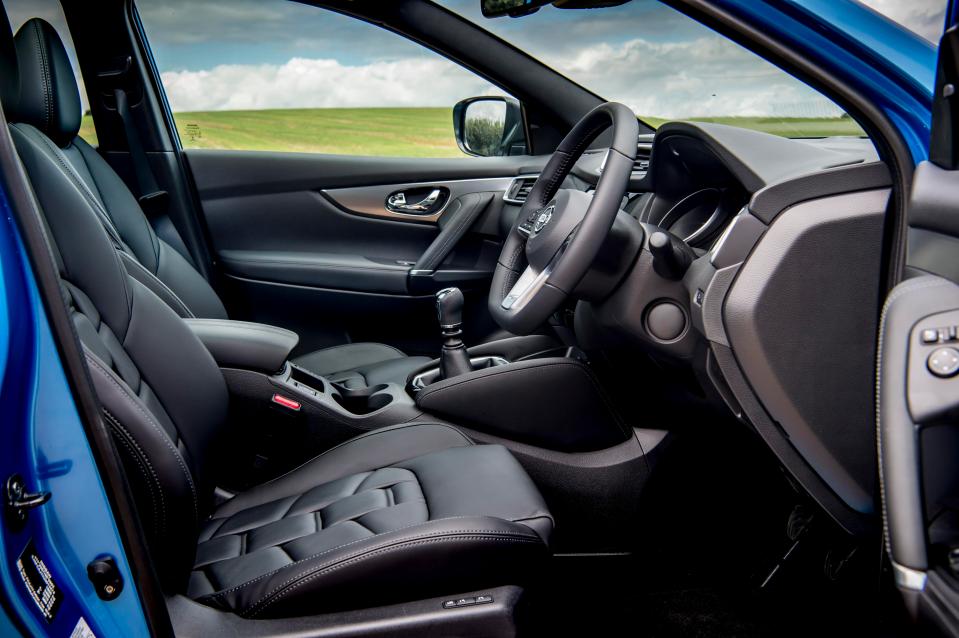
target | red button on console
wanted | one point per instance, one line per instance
(286, 402)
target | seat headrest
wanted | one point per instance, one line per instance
(49, 96)
(9, 72)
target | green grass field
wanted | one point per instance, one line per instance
(402, 132)
(785, 126)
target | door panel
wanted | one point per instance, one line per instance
(918, 384)
(373, 200)
(307, 241)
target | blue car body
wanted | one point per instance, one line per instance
(44, 439)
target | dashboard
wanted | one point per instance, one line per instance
(692, 179)
(778, 313)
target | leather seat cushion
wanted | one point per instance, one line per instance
(402, 512)
(358, 365)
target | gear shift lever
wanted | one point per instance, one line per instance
(454, 360)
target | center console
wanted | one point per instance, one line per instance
(523, 389)
(283, 414)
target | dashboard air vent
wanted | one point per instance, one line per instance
(519, 189)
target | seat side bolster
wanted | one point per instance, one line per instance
(433, 558)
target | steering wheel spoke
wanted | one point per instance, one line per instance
(528, 284)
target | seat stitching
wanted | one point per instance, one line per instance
(154, 279)
(105, 220)
(419, 484)
(357, 438)
(30, 132)
(903, 288)
(163, 435)
(47, 90)
(95, 189)
(356, 521)
(280, 592)
(129, 441)
(219, 595)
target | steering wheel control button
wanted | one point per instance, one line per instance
(943, 362)
(929, 335)
(467, 602)
(665, 321)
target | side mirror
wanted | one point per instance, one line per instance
(490, 126)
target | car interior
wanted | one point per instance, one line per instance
(604, 376)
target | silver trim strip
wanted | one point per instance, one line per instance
(908, 578)
(528, 284)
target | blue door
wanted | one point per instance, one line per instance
(57, 525)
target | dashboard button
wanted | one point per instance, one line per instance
(943, 362)
(929, 335)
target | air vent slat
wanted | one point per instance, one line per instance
(519, 189)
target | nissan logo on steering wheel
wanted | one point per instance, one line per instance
(542, 218)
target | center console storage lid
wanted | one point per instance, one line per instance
(245, 345)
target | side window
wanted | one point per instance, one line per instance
(19, 11)
(278, 75)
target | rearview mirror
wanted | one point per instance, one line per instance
(512, 8)
(518, 8)
(490, 126)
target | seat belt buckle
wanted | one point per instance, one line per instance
(155, 203)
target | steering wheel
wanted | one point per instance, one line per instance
(559, 231)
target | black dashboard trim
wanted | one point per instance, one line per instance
(767, 203)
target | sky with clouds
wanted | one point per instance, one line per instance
(253, 54)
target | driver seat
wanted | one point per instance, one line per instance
(50, 102)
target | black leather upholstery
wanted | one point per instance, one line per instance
(408, 511)
(245, 345)
(369, 517)
(49, 99)
(9, 73)
(50, 102)
(553, 402)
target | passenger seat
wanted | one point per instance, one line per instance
(50, 102)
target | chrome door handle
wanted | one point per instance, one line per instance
(397, 203)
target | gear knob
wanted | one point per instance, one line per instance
(449, 309)
(454, 359)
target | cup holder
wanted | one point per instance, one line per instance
(363, 400)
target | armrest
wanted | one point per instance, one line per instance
(245, 345)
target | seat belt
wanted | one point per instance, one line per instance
(153, 200)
